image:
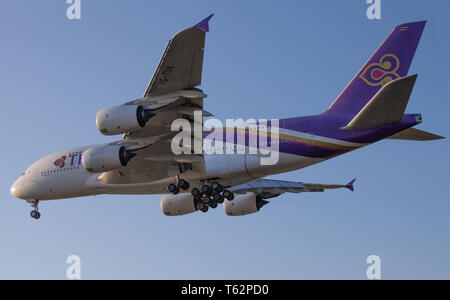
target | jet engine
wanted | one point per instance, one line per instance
(106, 158)
(121, 119)
(244, 205)
(178, 205)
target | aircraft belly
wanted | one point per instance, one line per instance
(247, 167)
(226, 166)
(286, 162)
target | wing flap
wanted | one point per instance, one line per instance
(197, 68)
(183, 158)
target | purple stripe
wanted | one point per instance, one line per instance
(309, 150)
(328, 126)
(286, 146)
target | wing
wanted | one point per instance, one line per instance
(152, 144)
(181, 64)
(267, 188)
(171, 95)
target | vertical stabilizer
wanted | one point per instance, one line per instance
(391, 61)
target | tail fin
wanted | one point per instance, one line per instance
(391, 61)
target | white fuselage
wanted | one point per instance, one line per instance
(62, 175)
(50, 179)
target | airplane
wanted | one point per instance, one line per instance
(370, 109)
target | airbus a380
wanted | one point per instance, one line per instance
(371, 108)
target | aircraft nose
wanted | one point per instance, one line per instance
(14, 189)
(20, 190)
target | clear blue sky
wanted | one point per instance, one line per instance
(264, 59)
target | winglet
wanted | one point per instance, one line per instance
(350, 185)
(204, 24)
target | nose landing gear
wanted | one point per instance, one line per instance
(35, 214)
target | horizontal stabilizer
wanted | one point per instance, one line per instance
(413, 134)
(386, 107)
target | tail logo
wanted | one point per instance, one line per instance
(60, 162)
(382, 72)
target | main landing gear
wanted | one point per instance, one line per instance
(208, 196)
(175, 189)
(35, 214)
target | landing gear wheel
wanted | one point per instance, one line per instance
(200, 205)
(206, 200)
(216, 197)
(183, 184)
(35, 214)
(221, 199)
(228, 195)
(217, 187)
(195, 192)
(206, 190)
(213, 204)
(173, 189)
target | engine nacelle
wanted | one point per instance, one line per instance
(105, 158)
(121, 119)
(244, 204)
(178, 205)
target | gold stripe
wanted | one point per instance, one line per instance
(294, 138)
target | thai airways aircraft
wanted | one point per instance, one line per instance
(371, 108)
